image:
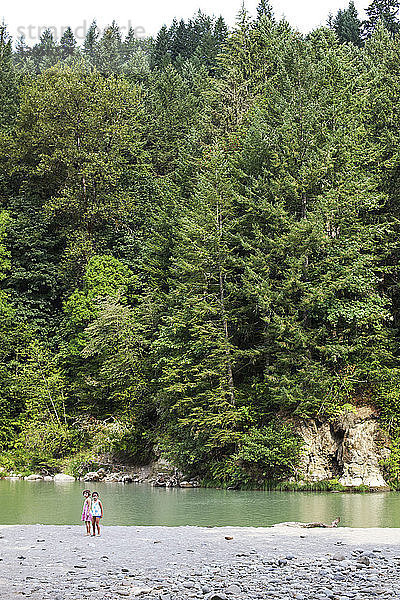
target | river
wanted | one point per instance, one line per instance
(50, 503)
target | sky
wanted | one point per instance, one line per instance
(146, 17)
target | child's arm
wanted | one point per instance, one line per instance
(101, 506)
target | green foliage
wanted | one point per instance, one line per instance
(391, 465)
(200, 239)
(326, 485)
(270, 452)
(348, 26)
(8, 83)
(384, 12)
(105, 276)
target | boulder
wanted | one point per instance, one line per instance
(34, 477)
(63, 477)
(92, 476)
(185, 484)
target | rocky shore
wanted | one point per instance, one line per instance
(230, 563)
(158, 474)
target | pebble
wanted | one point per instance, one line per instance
(233, 589)
(262, 567)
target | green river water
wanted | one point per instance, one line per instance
(52, 503)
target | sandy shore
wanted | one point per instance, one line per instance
(178, 563)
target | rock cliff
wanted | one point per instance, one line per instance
(349, 449)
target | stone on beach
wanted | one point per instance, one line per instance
(262, 564)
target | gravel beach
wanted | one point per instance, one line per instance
(177, 563)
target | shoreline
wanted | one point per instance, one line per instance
(285, 486)
(177, 563)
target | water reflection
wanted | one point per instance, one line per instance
(60, 503)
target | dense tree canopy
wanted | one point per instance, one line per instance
(198, 240)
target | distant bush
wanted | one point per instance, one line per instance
(270, 452)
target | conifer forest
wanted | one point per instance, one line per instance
(199, 241)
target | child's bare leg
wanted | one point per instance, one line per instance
(87, 523)
(94, 526)
(98, 525)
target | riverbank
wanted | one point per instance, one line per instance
(164, 563)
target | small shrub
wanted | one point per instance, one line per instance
(270, 452)
(391, 465)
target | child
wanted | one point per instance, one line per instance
(97, 513)
(86, 511)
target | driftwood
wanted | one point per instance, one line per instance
(334, 524)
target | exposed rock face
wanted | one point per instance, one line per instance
(349, 449)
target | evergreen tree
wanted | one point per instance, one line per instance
(220, 32)
(264, 9)
(109, 51)
(161, 53)
(381, 118)
(130, 45)
(67, 44)
(91, 41)
(8, 82)
(385, 11)
(45, 53)
(174, 103)
(196, 349)
(347, 25)
(179, 40)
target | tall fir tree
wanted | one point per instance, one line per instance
(67, 44)
(385, 11)
(45, 53)
(8, 82)
(264, 9)
(161, 52)
(91, 42)
(109, 51)
(348, 26)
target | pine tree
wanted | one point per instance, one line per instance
(67, 44)
(196, 347)
(385, 11)
(220, 32)
(161, 53)
(21, 54)
(179, 40)
(109, 51)
(8, 82)
(264, 9)
(318, 296)
(91, 42)
(382, 121)
(45, 53)
(174, 106)
(130, 45)
(347, 25)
